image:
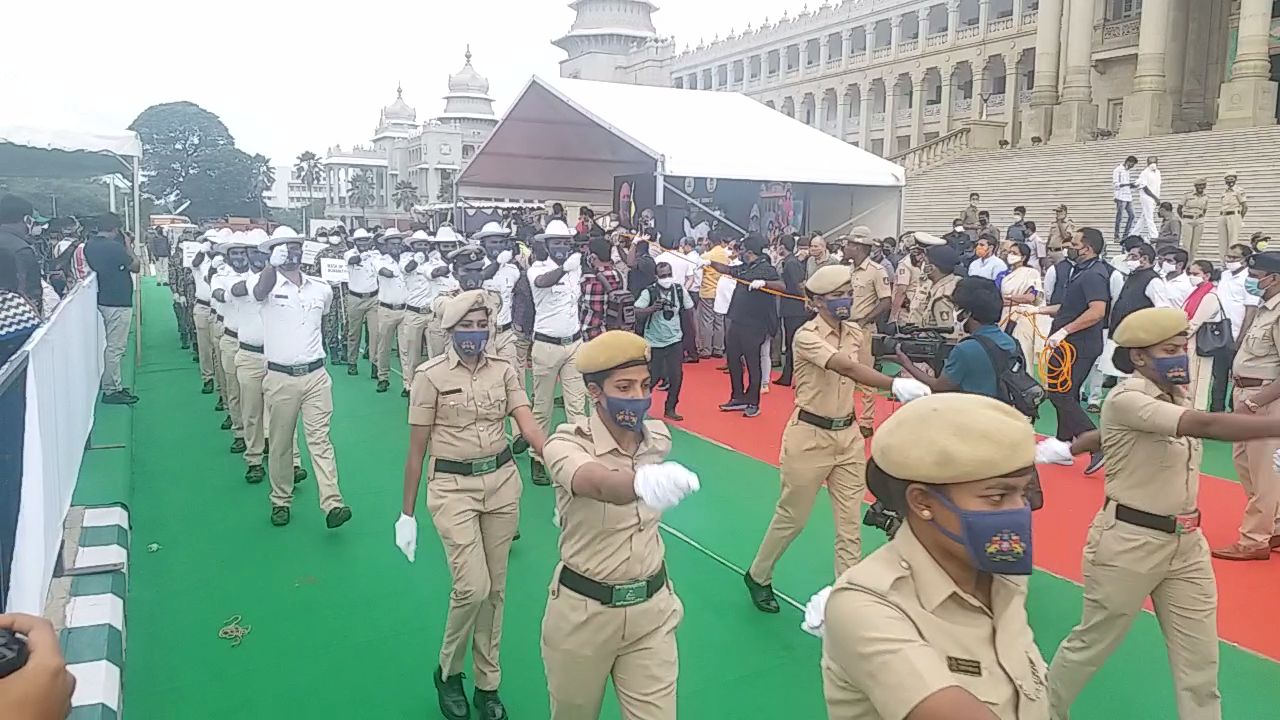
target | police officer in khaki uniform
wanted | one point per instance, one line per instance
(1192, 210)
(872, 295)
(457, 413)
(1060, 234)
(501, 274)
(911, 291)
(202, 311)
(392, 293)
(933, 625)
(819, 444)
(362, 299)
(612, 611)
(939, 310)
(1148, 530)
(1235, 205)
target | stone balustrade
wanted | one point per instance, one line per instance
(932, 152)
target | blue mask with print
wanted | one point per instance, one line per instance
(840, 307)
(1253, 286)
(998, 541)
(470, 343)
(627, 413)
(1175, 370)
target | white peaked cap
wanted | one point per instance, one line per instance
(360, 234)
(284, 232)
(555, 229)
(446, 234)
(419, 236)
(492, 229)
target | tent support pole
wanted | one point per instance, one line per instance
(702, 207)
(659, 194)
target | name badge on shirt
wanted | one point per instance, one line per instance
(964, 666)
(454, 391)
(280, 297)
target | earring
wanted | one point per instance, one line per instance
(926, 514)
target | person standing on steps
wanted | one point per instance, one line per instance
(1193, 209)
(392, 293)
(237, 253)
(115, 264)
(1148, 187)
(297, 383)
(819, 444)
(612, 612)
(1122, 187)
(1231, 212)
(457, 413)
(362, 299)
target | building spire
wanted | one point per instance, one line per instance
(399, 91)
(468, 55)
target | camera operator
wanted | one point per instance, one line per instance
(969, 368)
(933, 625)
(42, 688)
(661, 306)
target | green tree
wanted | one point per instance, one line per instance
(264, 177)
(405, 196)
(176, 139)
(445, 193)
(223, 184)
(308, 171)
(361, 191)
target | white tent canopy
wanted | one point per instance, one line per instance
(567, 137)
(41, 152)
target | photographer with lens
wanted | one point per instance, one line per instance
(661, 305)
(933, 625)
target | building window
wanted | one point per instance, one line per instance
(1123, 9)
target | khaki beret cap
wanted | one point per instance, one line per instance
(612, 349)
(1150, 326)
(1201, 181)
(459, 305)
(951, 438)
(828, 279)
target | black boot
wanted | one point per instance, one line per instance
(237, 446)
(226, 424)
(538, 473)
(353, 369)
(207, 387)
(488, 705)
(384, 385)
(453, 699)
(373, 372)
(255, 474)
(299, 474)
(761, 595)
(220, 406)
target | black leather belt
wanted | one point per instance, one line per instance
(251, 348)
(624, 595)
(419, 310)
(1172, 524)
(362, 296)
(203, 302)
(299, 370)
(231, 333)
(474, 467)
(553, 340)
(218, 316)
(825, 423)
(389, 306)
(1229, 212)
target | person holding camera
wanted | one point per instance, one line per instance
(821, 444)
(42, 688)
(660, 305)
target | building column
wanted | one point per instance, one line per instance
(917, 108)
(824, 53)
(1195, 74)
(984, 17)
(865, 119)
(842, 113)
(1012, 109)
(978, 106)
(846, 47)
(946, 74)
(1017, 13)
(1174, 60)
(1076, 117)
(1044, 90)
(871, 40)
(1248, 99)
(804, 58)
(1147, 108)
(922, 16)
(895, 34)
(890, 115)
(953, 20)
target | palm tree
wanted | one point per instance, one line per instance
(405, 196)
(361, 191)
(264, 177)
(308, 171)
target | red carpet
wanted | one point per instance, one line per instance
(1071, 501)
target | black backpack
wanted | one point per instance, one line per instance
(1014, 385)
(619, 308)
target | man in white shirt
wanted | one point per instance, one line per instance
(556, 280)
(987, 264)
(501, 273)
(1177, 285)
(293, 308)
(392, 294)
(1122, 189)
(1238, 306)
(236, 270)
(1148, 187)
(362, 298)
(420, 274)
(202, 313)
(444, 284)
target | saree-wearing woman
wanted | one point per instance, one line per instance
(1202, 306)
(1022, 286)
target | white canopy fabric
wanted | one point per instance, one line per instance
(42, 152)
(566, 136)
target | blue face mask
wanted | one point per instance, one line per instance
(628, 413)
(998, 541)
(1175, 370)
(1253, 286)
(840, 307)
(470, 343)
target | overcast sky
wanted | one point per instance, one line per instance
(287, 75)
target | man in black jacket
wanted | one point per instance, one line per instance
(753, 317)
(793, 312)
(15, 237)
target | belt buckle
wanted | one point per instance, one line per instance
(630, 594)
(841, 423)
(565, 341)
(1186, 523)
(487, 465)
(298, 370)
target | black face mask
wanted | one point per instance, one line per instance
(540, 252)
(257, 261)
(494, 248)
(238, 261)
(470, 277)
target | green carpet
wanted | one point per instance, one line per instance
(341, 626)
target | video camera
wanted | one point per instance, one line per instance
(888, 512)
(921, 344)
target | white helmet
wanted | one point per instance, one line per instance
(360, 234)
(447, 235)
(420, 236)
(256, 236)
(492, 229)
(286, 233)
(555, 229)
(225, 234)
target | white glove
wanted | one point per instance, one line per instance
(815, 612)
(662, 487)
(407, 536)
(206, 247)
(908, 389)
(366, 256)
(573, 263)
(420, 258)
(1052, 451)
(504, 257)
(757, 284)
(1056, 339)
(279, 256)
(218, 262)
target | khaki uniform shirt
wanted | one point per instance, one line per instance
(1194, 207)
(1234, 200)
(608, 543)
(1259, 354)
(918, 300)
(969, 216)
(899, 629)
(1149, 467)
(826, 392)
(1060, 234)
(907, 278)
(870, 286)
(940, 311)
(465, 410)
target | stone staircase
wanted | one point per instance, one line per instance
(1079, 175)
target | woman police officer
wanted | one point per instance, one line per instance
(457, 410)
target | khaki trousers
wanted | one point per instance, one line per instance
(413, 337)
(710, 328)
(585, 643)
(866, 396)
(476, 517)
(1192, 234)
(1255, 467)
(230, 347)
(437, 338)
(1124, 565)
(116, 321)
(1229, 229)
(524, 355)
(506, 347)
(205, 343)
(360, 310)
(216, 329)
(388, 324)
(251, 369)
(553, 362)
(310, 396)
(811, 458)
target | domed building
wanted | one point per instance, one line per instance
(469, 107)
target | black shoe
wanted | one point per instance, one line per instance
(538, 473)
(673, 415)
(337, 517)
(384, 385)
(558, 402)
(226, 423)
(516, 536)
(255, 474)
(519, 445)
(365, 355)
(761, 595)
(751, 411)
(453, 699)
(266, 445)
(691, 360)
(279, 516)
(186, 345)
(207, 388)
(784, 382)
(299, 474)
(221, 406)
(404, 393)
(353, 369)
(1096, 461)
(119, 397)
(373, 372)
(488, 705)
(733, 406)
(195, 358)
(237, 446)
